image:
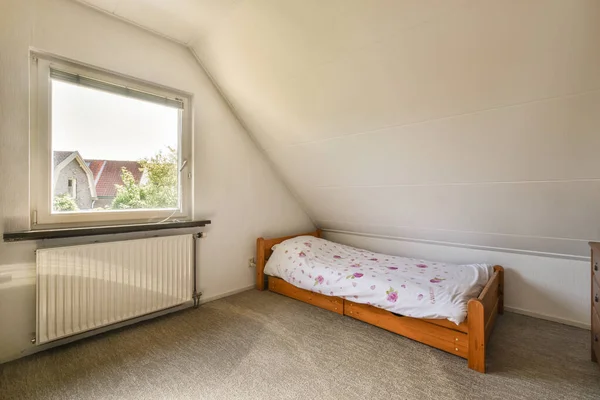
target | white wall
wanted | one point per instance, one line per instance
(473, 122)
(470, 123)
(557, 289)
(234, 185)
(465, 121)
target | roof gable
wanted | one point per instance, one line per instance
(63, 158)
(60, 156)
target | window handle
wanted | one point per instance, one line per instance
(596, 266)
(183, 164)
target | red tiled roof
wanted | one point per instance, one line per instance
(107, 174)
(95, 167)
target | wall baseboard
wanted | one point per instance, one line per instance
(548, 317)
(74, 338)
(515, 310)
(226, 294)
(57, 343)
(84, 335)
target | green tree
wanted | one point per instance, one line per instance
(159, 189)
(64, 202)
(129, 195)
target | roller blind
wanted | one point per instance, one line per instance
(116, 89)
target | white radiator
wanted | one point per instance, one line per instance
(80, 288)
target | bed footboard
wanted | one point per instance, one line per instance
(481, 315)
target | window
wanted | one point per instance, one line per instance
(105, 148)
(72, 184)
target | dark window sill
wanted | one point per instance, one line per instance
(98, 230)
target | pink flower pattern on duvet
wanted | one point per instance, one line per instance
(405, 286)
(392, 295)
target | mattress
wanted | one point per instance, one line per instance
(405, 286)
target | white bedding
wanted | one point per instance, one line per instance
(415, 288)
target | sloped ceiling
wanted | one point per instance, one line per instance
(179, 20)
(462, 121)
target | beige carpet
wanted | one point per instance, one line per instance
(259, 345)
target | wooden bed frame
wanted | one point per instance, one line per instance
(467, 340)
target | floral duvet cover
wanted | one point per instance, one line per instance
(405, 286)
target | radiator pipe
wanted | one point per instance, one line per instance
(195, 294)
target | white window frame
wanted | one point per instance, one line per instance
(41, 157)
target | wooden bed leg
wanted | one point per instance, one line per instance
(476, 322)
(500, 271)
(260, 264)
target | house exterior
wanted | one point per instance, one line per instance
(72, 176)
(91, 183)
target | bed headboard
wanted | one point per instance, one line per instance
(263, 252)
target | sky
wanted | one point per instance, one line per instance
(106, 126)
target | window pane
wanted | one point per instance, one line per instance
(112, 152)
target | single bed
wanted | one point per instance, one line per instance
(459, 324)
